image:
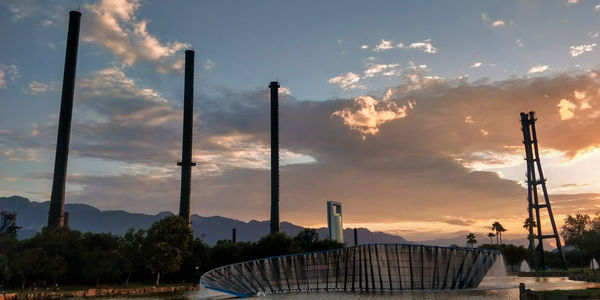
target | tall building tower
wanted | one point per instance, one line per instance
(274, 86)
(334, 221)
(57, 197)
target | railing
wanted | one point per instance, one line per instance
(374, 267)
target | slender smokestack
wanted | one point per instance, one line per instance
(233, 236)
(355, 237)
(274, 85)
(186, 152)
(57, 197)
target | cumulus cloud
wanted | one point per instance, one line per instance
(476, 65)
(579, 95)
(364, 47)
(114, 25)
(572, 1)
(424, 45)
(383, 45)
(347, 81)
(498, 23)
(597, 7)
(36, 88)
(367, 114)
(566, 109)
(578, 50)
(538, 69)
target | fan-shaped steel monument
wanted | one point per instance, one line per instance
(374, 267)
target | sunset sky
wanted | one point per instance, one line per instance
(406, 112)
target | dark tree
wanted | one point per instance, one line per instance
(131, 252)
(101, 256)
(573, 229)
(167, 245)
(275, 244)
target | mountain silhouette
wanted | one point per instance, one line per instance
(33, 216)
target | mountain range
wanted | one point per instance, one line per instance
(32, 217)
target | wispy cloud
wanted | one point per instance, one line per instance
(22, 154)
(48, 23)
(538, 69)
(208, 64)
(347, 81)
(424, 45)
(21, 9)
(386, 70)
(385, 45)
(498, 23)
(114, 25)
(578, 50)
(8, 72)
(36, 88)
(597, 7)
(364, 47)
(113, 82)
(476, 65)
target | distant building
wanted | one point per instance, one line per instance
(334, 221)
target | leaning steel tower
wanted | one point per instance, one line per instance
(534, 166)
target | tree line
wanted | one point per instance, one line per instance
(580, 233)
(167, 251)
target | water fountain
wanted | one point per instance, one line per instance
(364, 268)
(525, 267)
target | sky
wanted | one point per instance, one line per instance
(406, 112)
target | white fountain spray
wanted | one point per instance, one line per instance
(594, 264)
(525, 267)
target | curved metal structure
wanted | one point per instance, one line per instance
(374, 267)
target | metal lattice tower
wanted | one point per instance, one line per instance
(535, 179)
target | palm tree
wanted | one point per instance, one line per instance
(500, 229)
(529, 224)
(491, 235)
(494, 228)
(471, 239)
